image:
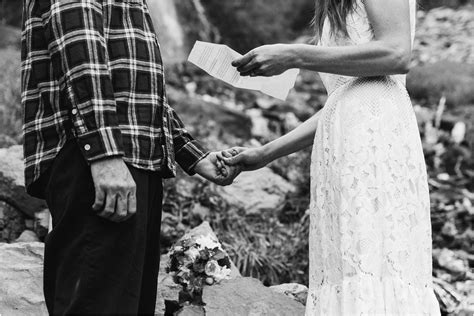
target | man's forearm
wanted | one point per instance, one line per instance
(78, 41)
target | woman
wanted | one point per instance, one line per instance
(370, 235)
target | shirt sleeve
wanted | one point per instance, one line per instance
(188, 151)
(75, 34)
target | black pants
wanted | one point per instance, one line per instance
(93, 265)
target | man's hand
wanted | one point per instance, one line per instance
(212, 169)
(247, 158)
(115, 190)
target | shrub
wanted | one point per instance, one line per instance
(454, 80)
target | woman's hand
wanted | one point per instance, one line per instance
(267, 60)
(247, 158)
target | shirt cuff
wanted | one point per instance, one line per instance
(101, 143)
(189, 155)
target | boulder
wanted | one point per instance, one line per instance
(256, 191)
(295, 291)
(27, 236)
(21, 275)
(452, 261)
(42, 223)
(260, 128)
(12, 182)
(247, 296)
(167, 289)
(210, 116)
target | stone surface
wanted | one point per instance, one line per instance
(247, 296)
(167, 289)
(444, 34)
(451, 261)
(12, 182)
(295, 291)
(192, 310)
(256, 191)
(42, 223)
(21, 275)
(27, 236)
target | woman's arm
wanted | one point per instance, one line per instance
(388, 53)
(255, 158)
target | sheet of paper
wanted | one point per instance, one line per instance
(216, 60)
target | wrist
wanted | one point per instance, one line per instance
(292, 56)
(106, 159)
(267, 153)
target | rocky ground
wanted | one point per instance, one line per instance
(262, 219)
(445, 34)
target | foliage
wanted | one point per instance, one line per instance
(10, 98)
(260, 245)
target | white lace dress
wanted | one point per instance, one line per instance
(370, 235)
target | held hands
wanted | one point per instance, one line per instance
(267, 60)
(213, 169)
(246, 158)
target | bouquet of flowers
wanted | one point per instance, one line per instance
(196, 261)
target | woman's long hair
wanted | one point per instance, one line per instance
(336, 11)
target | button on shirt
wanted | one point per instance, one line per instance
(92, 70)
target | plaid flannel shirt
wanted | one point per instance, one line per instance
(92, 70)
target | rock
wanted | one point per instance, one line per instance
(192, 310)
(42, 223)
(260, 127)
(12, 182)
(449, 229)
(295, 291)
(27, 236)
(21, 275)
(167, 289)
(451, 261)
(247, 296)
(444, 34)
(185, 187)
(200, 212)
(256, 191)
(211, 117)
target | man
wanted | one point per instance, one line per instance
(99, 136)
